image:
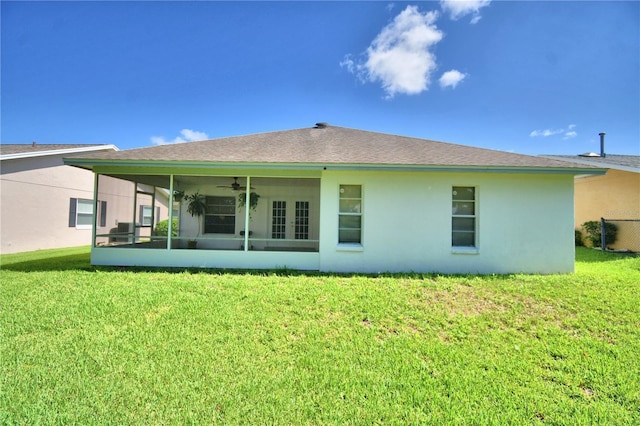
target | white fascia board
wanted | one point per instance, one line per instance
(601, 164)
(59, 152)
(179, 165)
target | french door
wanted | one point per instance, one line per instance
(290, 219)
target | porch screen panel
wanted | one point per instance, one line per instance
(279, 220)
(302, 220)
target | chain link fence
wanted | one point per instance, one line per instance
(625, 238)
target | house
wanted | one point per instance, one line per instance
(337, 199)
(46, 204)
(614, 196)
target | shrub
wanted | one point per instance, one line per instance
(578, 236)
(594, 235)
(162, 228)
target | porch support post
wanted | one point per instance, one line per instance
(246, 214)
(135, 206)
(170, 227)
(94, 225)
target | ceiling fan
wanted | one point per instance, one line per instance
(235, 186)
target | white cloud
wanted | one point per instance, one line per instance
(569, 132)
(459, 8)
(545, 133)
(451, 79)
(400, 57)
(188, 135)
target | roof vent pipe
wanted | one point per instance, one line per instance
(602, 153)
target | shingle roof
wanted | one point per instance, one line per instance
(24, 148)
(614, 161)
(329, 145)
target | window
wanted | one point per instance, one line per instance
(81, 213)
(350, 216)
(220, 215)
(146, 215)
(463, 221)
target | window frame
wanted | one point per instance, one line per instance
(208, 214)
(473, 215)
(75, 213)
(347, 243)
(85, 202)
(143, 209)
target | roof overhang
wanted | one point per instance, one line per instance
(594, 162)
(178, 166)
(65, 151)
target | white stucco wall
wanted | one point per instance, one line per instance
(525, 223)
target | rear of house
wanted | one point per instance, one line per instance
(335, 199)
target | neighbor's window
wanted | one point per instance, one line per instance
(350, 216)
(463, 221)
(146, 215)
(220, 215)
(81, 213)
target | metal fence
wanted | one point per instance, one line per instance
(626, 236)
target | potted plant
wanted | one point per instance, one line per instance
(253, 200)
(178, 196)
(196, 208)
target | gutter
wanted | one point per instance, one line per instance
(89, 164)
(58, 152)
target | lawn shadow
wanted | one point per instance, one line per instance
(72, 262)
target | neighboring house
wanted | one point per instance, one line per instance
(614, 196)
(346, 200)
(45, 204)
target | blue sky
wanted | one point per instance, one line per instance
(527, 77)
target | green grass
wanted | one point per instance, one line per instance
(89, 345)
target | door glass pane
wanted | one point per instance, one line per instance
(279, 219)
(302, 220)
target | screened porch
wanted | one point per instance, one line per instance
(230, 213)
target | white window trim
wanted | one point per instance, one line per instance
(466, 249)
(347, 246)
(88, 226)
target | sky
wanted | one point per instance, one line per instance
(529, 77)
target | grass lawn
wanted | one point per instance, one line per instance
(88, 345)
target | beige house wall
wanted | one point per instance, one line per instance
(615, 195)
(35, 195)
